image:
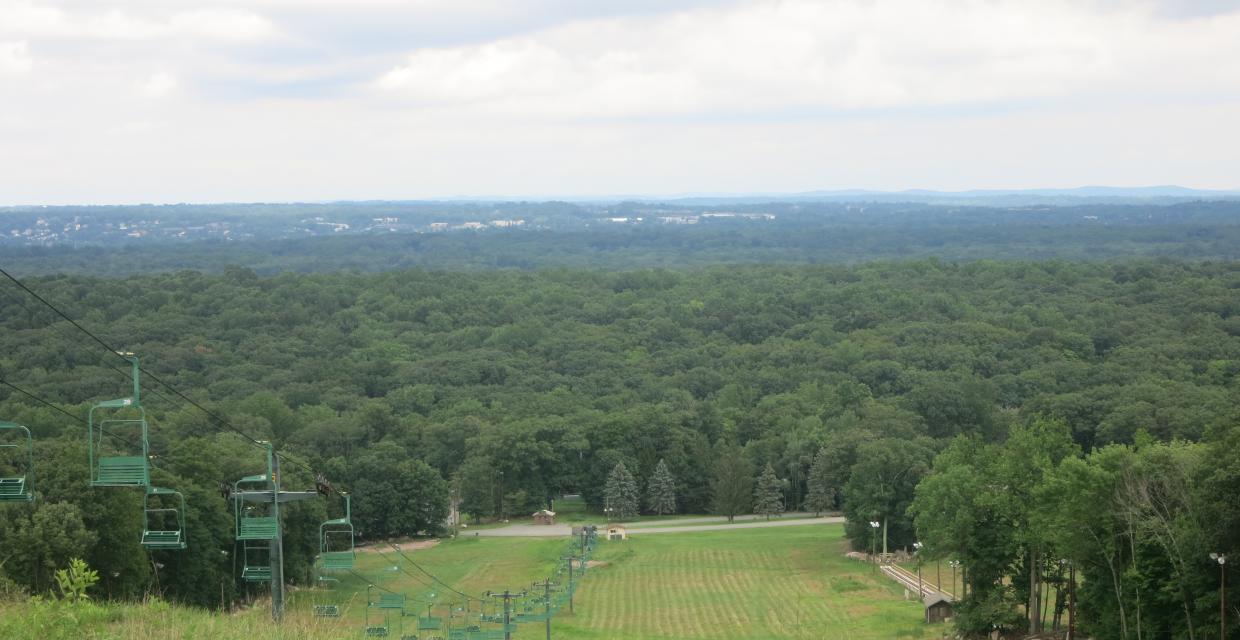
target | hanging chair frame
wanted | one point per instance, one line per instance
(19, 488)
(119, 470)
(163, 538)
(336, 558)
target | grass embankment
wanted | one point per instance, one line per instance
(748, 583)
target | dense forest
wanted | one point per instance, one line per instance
(994, 410)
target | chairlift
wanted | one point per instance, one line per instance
(163, 526)
(256, 561)
(336, 540)
(16, 469)
(255, 522)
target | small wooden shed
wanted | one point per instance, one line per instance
(938, 607)
(544, 516)
(616, 532)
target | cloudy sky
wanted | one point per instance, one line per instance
(114, 101)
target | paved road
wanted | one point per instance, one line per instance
(641, 524)
(752, 524)
(712, 524)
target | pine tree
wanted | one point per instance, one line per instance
(661, 490)
(733, 485)
(621, 493)
(821, 494)
(767, 496)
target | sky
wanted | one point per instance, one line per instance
(128, 101)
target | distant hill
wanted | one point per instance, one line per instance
(1163, 194)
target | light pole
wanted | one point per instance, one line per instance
(917, 551)
(953, 564)
(873, 539)
(1221, 559)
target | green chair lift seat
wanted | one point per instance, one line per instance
(390, 601)
(256, 573)
(163, 539)
(338, 560)
(122, 471)
(327, 611)
(257, 528)
(430, 623)
(377, 632)
(14, 490)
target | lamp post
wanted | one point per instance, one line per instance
(873, 538)
(917, 551)
(953, 564)
(1221, 559)
(501, 496)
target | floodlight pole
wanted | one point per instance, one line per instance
(917, 550)
(1221, 559)
(1071, 601)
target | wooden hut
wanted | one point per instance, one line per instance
(545, 516)
(938, 607)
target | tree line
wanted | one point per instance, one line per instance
(854, 384)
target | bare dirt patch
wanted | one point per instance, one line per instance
(403, 545)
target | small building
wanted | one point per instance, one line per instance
(616, 532)
(938, 607)
(544, 516)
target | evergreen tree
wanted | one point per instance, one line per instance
(621, 493)
(661, 490)
(767, 496)
(733, 486)
(821, 494)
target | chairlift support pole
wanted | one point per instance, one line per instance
(275, 545)
(546, 585)
(507, 597)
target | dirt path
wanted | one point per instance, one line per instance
(403, 545)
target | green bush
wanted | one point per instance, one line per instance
(74, 581)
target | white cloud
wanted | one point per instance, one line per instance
(15, 58)
(158, 85)
(319, 99)
(796, 55)
(42, 20)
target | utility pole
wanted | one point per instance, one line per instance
(507, 597)
(546, 586)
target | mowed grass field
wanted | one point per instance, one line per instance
(787, 582)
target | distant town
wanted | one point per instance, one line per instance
(49, 226)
